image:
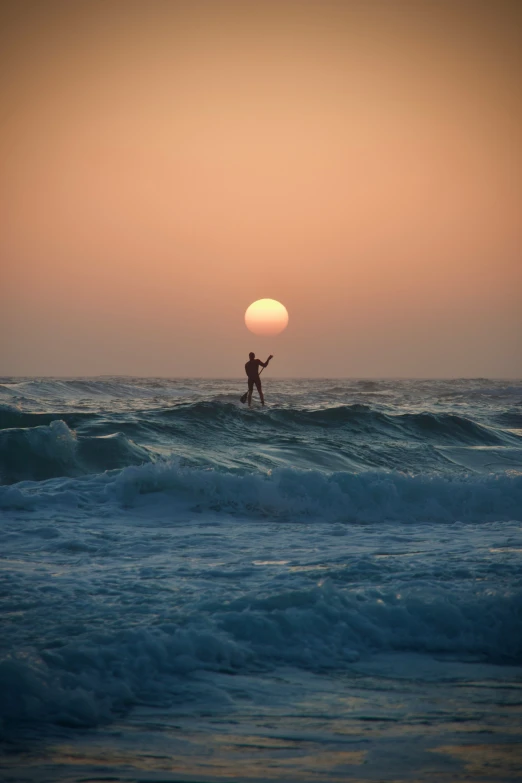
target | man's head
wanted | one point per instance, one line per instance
(251, 355)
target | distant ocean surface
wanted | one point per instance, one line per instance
(328, 588)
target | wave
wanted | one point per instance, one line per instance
(355, 417)
(290, 494)
(53, 450)
(348, 437)
(102, 673)
(511, 419)
(371, 496)
(458, 429)
(13, 417)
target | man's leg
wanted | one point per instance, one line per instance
(250, 390)
(260, 390)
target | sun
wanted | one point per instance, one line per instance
(266, 317)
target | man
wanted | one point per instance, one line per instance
(252, 371)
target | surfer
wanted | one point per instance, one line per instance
(252, 371)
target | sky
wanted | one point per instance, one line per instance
(165, 164)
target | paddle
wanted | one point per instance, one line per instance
(244, 396)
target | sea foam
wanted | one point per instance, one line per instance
(288, 493)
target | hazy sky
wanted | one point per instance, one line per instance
(165, 164)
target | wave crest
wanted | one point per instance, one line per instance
(53, 450)
(287, 493)
(91, 680)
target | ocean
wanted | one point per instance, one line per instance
(325, 589)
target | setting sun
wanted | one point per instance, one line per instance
(266, 317)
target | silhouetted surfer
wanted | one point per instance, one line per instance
(252, 371)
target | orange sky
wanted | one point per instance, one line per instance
(165, 164)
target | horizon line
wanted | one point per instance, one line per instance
(279, 378)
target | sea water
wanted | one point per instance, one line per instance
(327, 588)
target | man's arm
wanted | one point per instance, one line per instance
(265, 364)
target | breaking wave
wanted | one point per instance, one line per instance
(38, 446)
(288, 493)
(100, 674)
(53, 450)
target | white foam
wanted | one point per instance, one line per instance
(350, 497)
(90, 679)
